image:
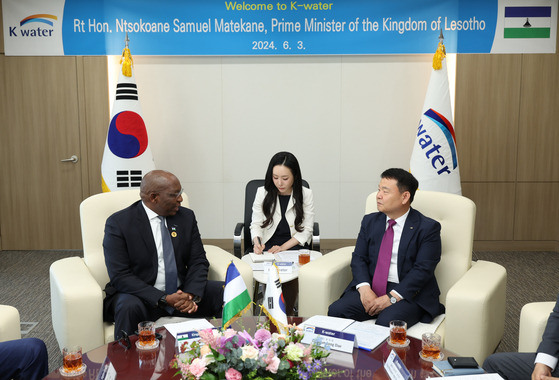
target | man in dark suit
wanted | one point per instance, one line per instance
(399, 284)
(541, 365)
(138, 244)
(23, 359)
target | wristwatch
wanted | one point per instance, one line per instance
(196, 299)
(163, 301)
(392, 299)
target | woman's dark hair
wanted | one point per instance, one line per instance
(269, 205)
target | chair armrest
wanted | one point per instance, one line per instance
(533, 319)
(323, 281)
(316, 237)
(219, 261)
(9, 323)
(475, 311)
(237, 239)
(77, 305)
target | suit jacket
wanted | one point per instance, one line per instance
(418, 255)
(258, 217)
(550, 341)
(131, 255)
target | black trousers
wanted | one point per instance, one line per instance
(349, 306)
(513, 365)
(129, 310)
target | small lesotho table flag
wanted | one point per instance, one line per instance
(274, 304)
(235, 296)
(127, 156)
(434, 160)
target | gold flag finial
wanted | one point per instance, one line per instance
(440, 54)
(126, 59)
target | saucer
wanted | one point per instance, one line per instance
(441, 356)
(398, 345)
(152, 347)
(64, 373)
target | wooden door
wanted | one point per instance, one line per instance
(39, 194)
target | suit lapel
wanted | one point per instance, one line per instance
(409, 231)
(145, 229)
(379, 228)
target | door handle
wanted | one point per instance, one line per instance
(72, 159)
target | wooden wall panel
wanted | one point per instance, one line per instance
(538, 156)
(486, 120)
(494, 211)
(536, 211)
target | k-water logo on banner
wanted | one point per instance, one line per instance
(527, 22)
(28, 28)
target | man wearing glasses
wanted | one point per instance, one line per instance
(156, 261)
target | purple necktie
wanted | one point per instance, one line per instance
(380, 278)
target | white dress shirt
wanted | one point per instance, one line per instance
(548, 360)
(155, 224)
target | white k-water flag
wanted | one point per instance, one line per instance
(127, 156)
(274, 304)
(434, 160)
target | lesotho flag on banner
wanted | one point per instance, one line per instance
(127, 156)
(274, 304)
(236, 299)
(434, 160)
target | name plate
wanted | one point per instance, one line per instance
(107, 371)
(329, 339)
(283, 267)
(395, 368)
(187, 337)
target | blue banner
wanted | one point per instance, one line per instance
(276, 27)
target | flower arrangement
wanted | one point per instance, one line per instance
(234, 355)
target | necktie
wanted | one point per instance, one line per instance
(380, 278)
(169, 258)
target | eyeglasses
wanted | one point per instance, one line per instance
(176, 195)
(124, 341)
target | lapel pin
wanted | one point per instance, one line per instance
(174, 234)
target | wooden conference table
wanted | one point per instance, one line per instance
(137, 365)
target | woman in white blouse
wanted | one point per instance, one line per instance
(282, 214)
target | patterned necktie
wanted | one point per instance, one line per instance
(169, 258)
(380, 278)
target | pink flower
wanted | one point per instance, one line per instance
(209, 336)
(262, 335)
(229, 333)
(273, 364)
(233, 374)
(197, 367)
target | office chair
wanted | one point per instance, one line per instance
(250, 194)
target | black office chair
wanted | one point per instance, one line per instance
(250, 194)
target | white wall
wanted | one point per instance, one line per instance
(216, 121)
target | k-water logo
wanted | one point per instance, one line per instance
(28, 26)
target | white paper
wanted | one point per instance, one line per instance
(265, 256)
(481, 376)
(330, 323)
(257, 266)
(289, 256)
(368, 336)
(191, 325)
